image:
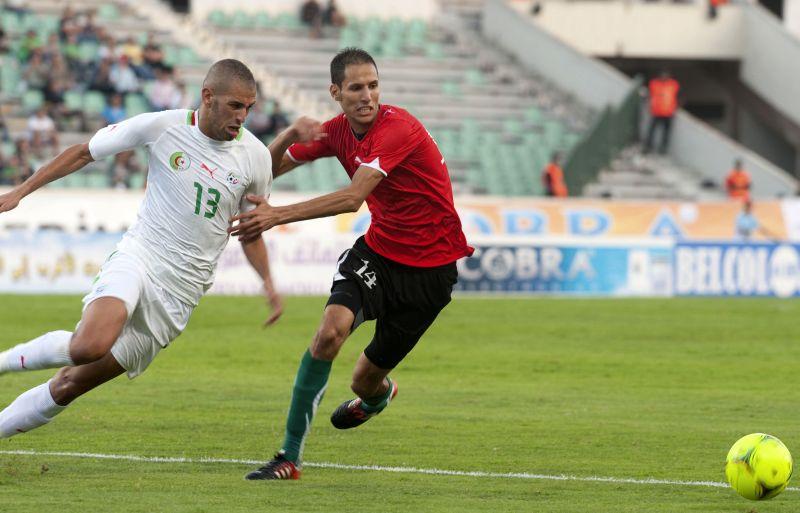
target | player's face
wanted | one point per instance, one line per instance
(359, 95)
(228, 110)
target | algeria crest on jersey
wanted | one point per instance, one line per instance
(178, 161)
(232, 179)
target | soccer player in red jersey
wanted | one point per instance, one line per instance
(401, 272)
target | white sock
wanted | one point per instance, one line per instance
(51, 350)
(32, 409)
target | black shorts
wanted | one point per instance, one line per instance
(405, 300)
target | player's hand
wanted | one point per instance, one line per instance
(9, 201)
(275, 302)
(253, 223)
(307, 130)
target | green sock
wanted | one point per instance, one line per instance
(309, 387)
(377, 404)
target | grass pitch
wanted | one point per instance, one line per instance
(611, 388)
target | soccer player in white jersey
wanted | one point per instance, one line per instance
(201, 166)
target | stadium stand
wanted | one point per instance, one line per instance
(495, 122)
(70, 60)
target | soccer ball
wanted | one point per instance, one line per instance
(759, 466)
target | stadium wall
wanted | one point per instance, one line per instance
(523, 246)
(771, 61)
(645, 29)
(694, 144)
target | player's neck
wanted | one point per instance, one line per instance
(203, 123)
(360, 129)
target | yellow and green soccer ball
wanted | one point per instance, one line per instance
(759, 466)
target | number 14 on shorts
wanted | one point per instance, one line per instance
(369, 277)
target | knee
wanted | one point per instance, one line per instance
(63, 388)
(327, 342)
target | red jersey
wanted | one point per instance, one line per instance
(414, 221)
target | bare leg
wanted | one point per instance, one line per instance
(39, 405)
(99, 328)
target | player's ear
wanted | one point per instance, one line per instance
(206, 94)
(336, 92)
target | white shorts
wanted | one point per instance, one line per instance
(155, 317)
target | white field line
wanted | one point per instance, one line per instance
(378, 468)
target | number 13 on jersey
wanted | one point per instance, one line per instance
(212, 203)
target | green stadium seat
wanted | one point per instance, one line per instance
(93, 103)
(187, 56)
(108, 11)
(11, 23)
(219, 19)
(451, 89)
(243, 20)
(32, 100)
(263, 20)
(288, 21)
(88, 51)
(434, 51)
(97, 181)
(10, 77)
(136, 104)
(474, 77)
(73, 100)
(137, 180)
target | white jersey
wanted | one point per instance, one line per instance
(195, 184)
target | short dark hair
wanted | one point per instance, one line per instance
(346, 57)
(224, 72)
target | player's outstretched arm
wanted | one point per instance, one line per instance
(303, 130)
(264, 216)
(256, 253)
(66, 162)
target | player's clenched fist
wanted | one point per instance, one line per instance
(9, 201)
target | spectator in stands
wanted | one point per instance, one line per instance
(184, 100)
(101, 79)
(108, 47)
(59, 80)
(258, 121)
(163, 94)
(21, 161)
(114, 112)
(135, 54)
(738, 182)
(152, 54)
(19, 7)
(125, 165)
(663, 105)
(333, 16)
(553, 178)
(713, 6)
(68, 24)
(72, 53)
(4, 46)
(89, 31)
(3, 129)
(36, 72)
(51, 48)
(30, 42)
(42, 131)
(311, 15)
(277, 120)
(122, 76)
(747, 224)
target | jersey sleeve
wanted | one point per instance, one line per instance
(300, 153)
(261, 182)
(131, 133)
(394, 143)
